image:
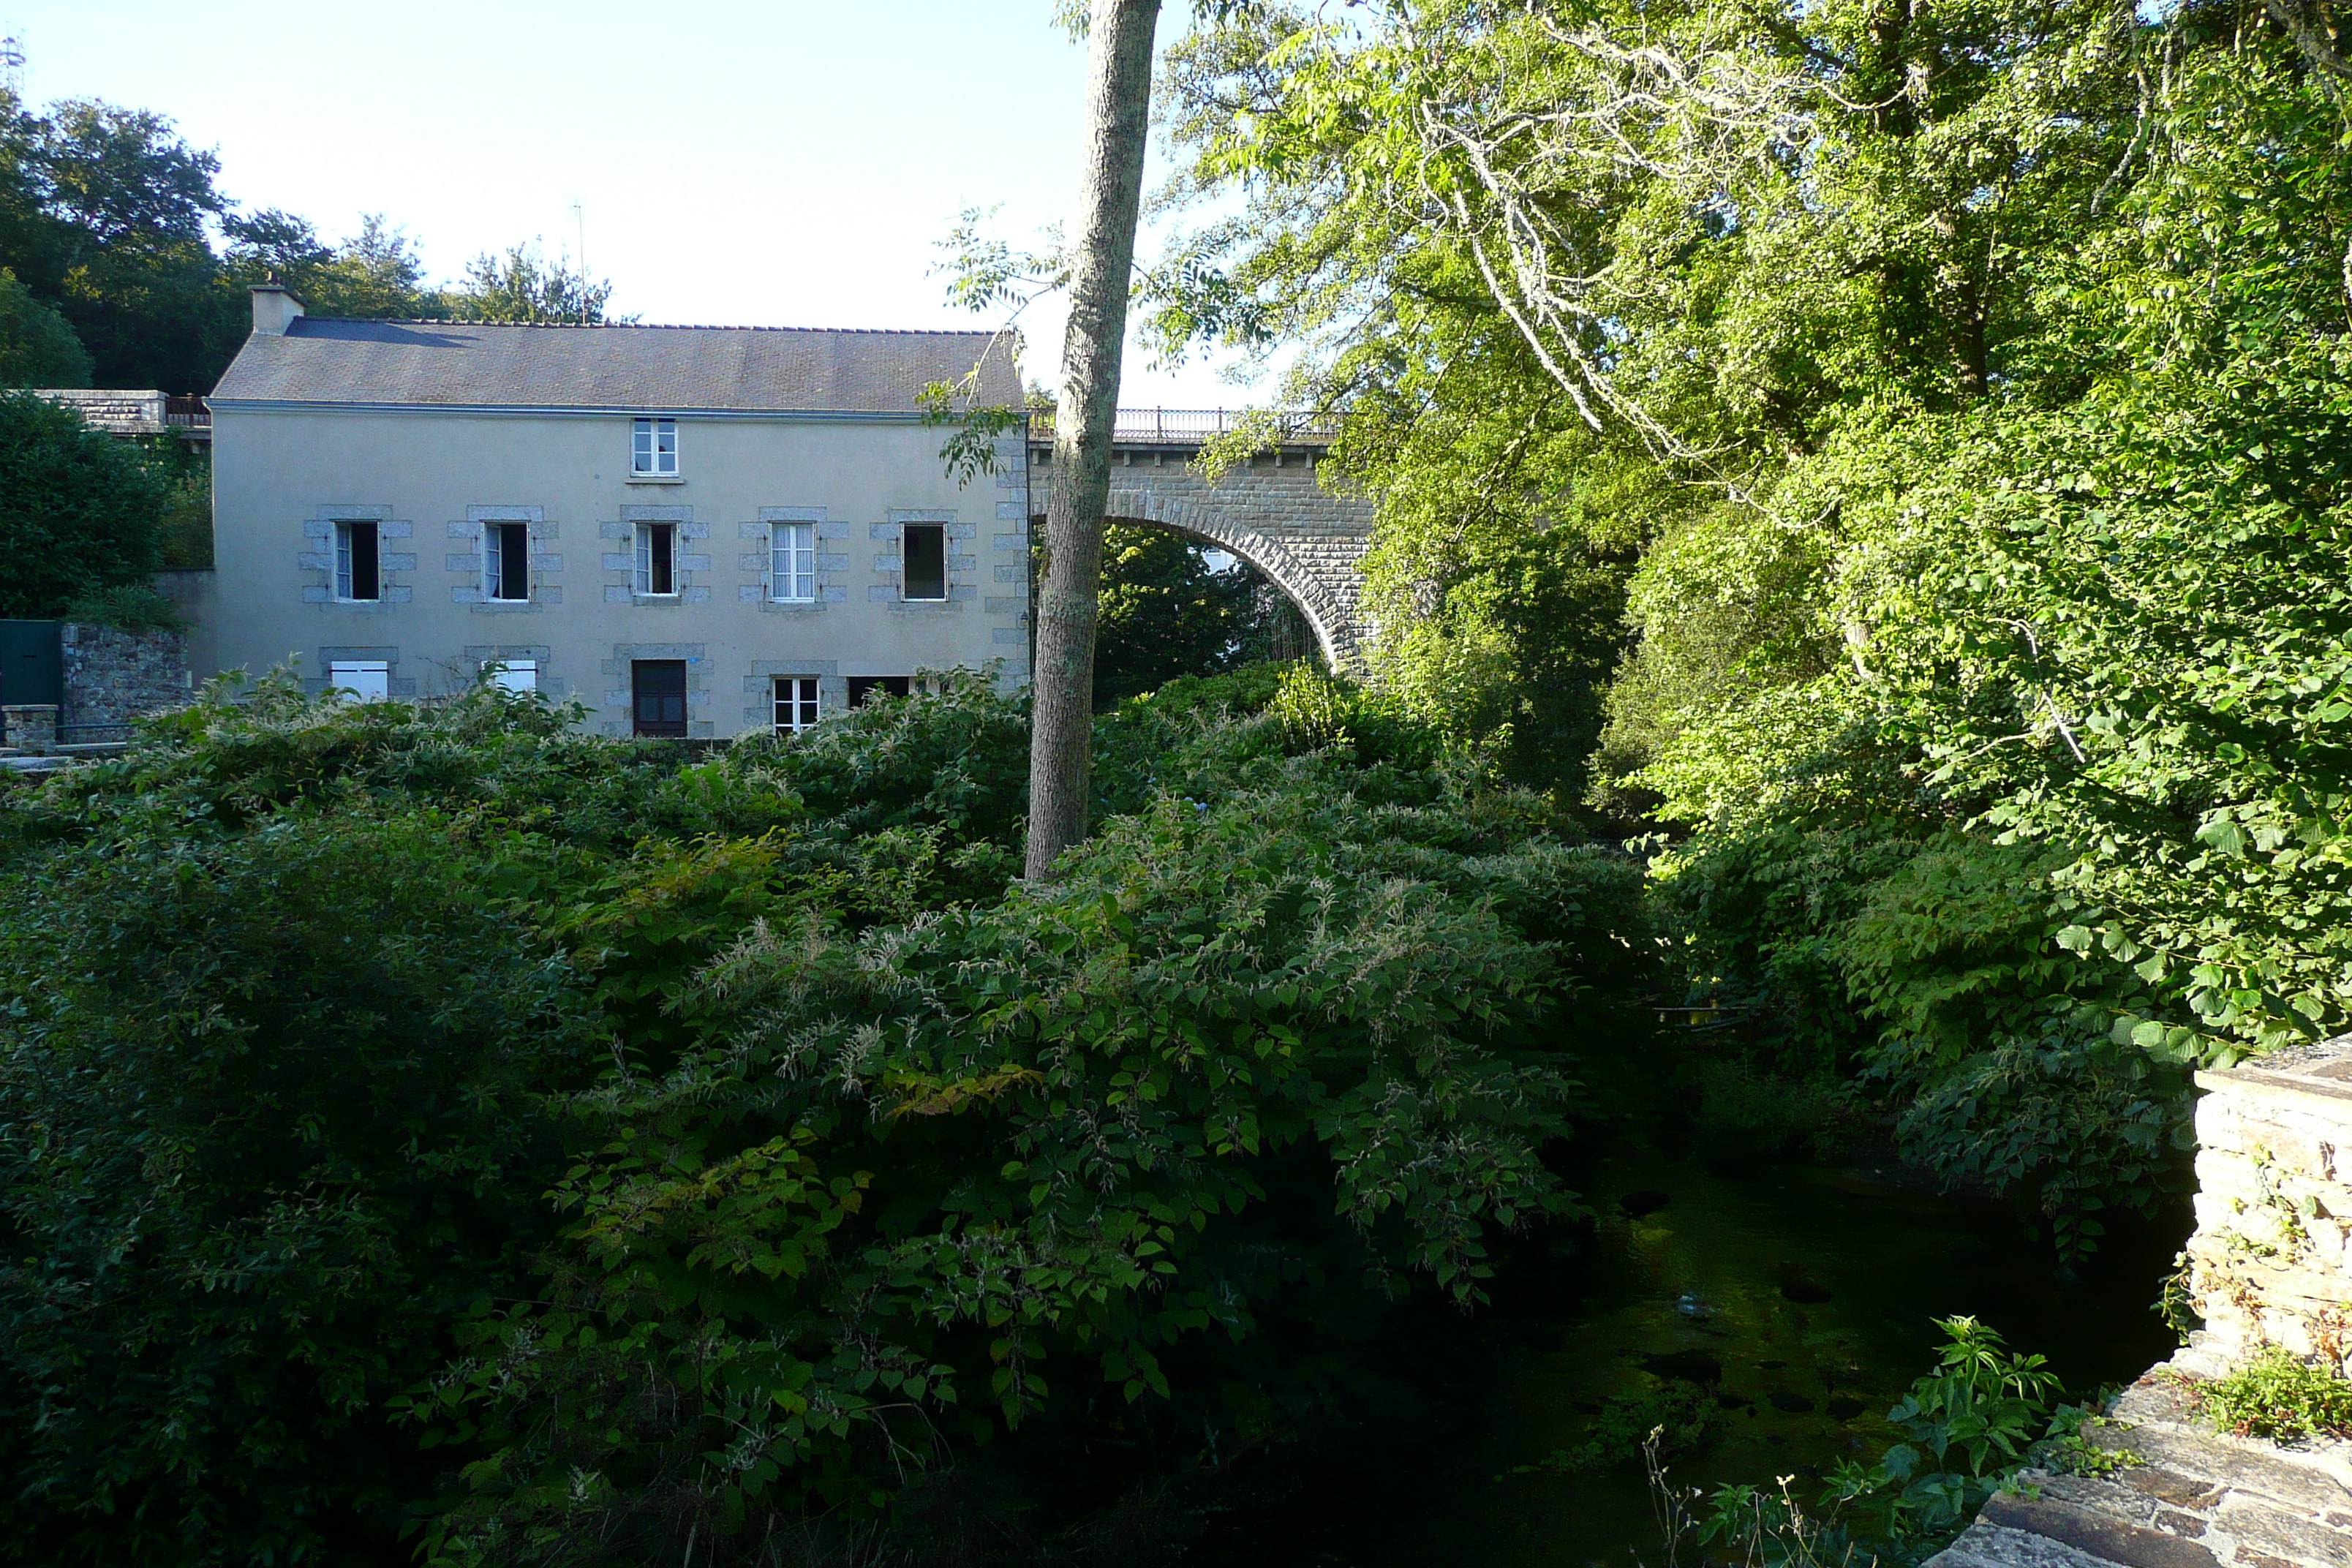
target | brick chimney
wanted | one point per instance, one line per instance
(274, 309)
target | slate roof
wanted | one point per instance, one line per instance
(330, 360)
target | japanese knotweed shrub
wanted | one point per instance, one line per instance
(272, 1117)
(1013, 1163)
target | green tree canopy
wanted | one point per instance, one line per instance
(129, 203)
(1164, 613)
(374, 273)
(37, 345)
(1956, 389)
(520, 284)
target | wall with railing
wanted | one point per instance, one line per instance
(1192, 426)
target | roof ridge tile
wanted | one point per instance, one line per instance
(659, 326)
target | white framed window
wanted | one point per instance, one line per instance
(359, 563)
(797, 705)
(513, 674)
(506, 560)
(653, 448)
(360, 679)
(657, 559)
(792, 563)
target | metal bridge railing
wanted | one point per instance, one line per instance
(1190, 426)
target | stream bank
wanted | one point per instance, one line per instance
(1799, 1299)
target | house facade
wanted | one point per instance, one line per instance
(694, 531)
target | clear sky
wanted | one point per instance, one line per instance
(788, 162)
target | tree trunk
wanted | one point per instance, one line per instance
(1118, 114)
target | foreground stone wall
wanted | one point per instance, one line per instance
(112, 677)
(2269, 1262)
(2267, 1266)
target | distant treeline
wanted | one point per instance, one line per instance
(122, 263)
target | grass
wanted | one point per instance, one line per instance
(2277, 1396)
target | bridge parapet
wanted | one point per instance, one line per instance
(1195, 427)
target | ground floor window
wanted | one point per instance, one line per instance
(657, 693)
(796, 703)
(861, 687)
(364, 679)
(513, 674)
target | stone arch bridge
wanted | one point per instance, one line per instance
(1270, 511)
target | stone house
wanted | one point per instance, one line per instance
(695, 530)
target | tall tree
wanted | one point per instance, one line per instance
(1165, 611)
(134, 265)
(1119, 118)
(374, 274)
(37, 345)
(523, 285)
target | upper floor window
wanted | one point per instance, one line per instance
(359, 573)
(506, 560)
(653, 449)
(923, 561)
(792, 563)
(657, 558)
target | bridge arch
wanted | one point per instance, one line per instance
(1328, 615)
(1270, 510)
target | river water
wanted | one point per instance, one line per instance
(1815, 1285)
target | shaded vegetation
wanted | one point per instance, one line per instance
(2278, 1396)
(1952, 403)
(858, 1155)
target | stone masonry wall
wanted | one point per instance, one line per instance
(2267, 1266)
(1272, 511)
(2271, 1262)
(121, 411)
(113, 676)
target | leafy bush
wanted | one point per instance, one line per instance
(1743, 1110)
(1972, 1423)
(859, 1151)
(131, 606)
(271, 1120)
(2009, 1049)
(2278, 1396)
(78, 509)
(1672, 1420)
(37, 345)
